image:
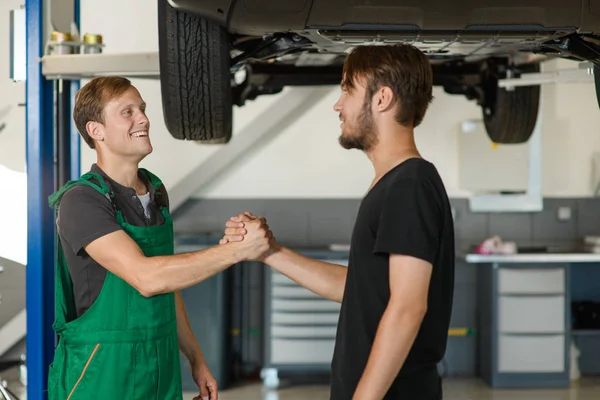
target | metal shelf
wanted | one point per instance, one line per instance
(83, 66)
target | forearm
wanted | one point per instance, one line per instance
(394, 338)
(166, 274)
(188, 344)
(325, 279)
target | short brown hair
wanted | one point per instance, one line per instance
(403, 68)
(91, 100)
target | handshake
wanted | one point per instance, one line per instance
(250, 237)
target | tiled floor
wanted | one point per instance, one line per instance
(454, 389)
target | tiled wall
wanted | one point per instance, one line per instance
(309, 223)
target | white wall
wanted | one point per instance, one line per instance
(12, 137)
(306, 160)
(13, 229)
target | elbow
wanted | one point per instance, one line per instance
(147, 292)
(410, 312)
(150, 289)
(149, 285)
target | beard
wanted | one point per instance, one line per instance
(363, 136)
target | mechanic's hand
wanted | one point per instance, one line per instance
(205, 381)
(257, 239)
(237, 229)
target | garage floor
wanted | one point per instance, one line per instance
(455, 389)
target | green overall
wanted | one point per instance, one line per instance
(124, 347)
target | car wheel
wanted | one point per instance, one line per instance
(194, 76)
(510, 115)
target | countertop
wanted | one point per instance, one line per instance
(534, 258)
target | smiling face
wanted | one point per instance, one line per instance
(125, 131)
(356, 114)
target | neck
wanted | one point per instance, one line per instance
(124, 172)
(395, 145)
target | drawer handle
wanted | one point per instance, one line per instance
(526, 334)
(302, 338)
(301, 325)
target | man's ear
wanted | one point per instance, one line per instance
(95, 131)
(385, 99)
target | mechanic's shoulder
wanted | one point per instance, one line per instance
(82, 194)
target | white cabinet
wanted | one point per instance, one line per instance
(524, 328)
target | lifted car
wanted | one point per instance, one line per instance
(218, 53)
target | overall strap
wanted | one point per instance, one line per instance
(86, 179)
(154, 180)
(156, 184)
(64, 303)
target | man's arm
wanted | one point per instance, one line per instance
(324, 279)
(188, 344)
(88, 223)
(118, 253)
(398, 328)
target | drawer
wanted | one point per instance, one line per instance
(543, 314)
(320, 305)
(303, 332)
(531, 280)
(293, 292)
(531, 354)
(300, 318)
(284, 351)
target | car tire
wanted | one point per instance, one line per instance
(194, 76)
(510, 115)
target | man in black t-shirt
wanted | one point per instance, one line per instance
(397, 290)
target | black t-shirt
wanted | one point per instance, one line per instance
(407, 212)
(86, 215)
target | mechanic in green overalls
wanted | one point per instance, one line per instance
(120, 319)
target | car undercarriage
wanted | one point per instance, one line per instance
(263, 56)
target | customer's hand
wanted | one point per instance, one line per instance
(237, 229)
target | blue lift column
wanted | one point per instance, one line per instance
(40, 230)
(42, 180)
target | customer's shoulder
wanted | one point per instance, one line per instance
(414, 172)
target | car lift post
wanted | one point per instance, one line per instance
(45, 173)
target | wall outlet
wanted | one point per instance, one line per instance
(564, 213)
